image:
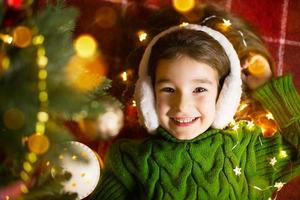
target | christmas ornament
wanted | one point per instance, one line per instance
(106, 126)
(83, 166)
(22, 36)
(16, 4)
(38, 144)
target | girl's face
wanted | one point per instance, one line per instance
(186, 91)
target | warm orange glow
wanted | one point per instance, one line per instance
(85, 74)
(38, 144)
(22, 36)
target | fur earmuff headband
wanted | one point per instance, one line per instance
(230, 94)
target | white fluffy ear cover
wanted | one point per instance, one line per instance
(144, 95)
(229, 97)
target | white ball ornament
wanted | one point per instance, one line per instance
(84, 167)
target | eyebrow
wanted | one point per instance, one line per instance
(200, 80)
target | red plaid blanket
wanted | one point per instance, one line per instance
(279, 23)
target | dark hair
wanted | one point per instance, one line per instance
(194, 44)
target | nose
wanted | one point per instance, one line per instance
(182, 102)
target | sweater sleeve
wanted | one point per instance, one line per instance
(278, 156)
(115, 181)
(281, 98)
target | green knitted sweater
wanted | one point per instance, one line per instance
(235, 163)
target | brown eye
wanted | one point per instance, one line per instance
(199, 90)
(168, 90)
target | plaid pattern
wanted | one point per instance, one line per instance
(279, 24)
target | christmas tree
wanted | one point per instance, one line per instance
(44, 82)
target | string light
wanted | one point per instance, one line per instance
(133, 103)
(6, 38)
(124, 76)
(142, 35)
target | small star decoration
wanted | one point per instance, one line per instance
(273, 161)
(237, 171)
(279, 185)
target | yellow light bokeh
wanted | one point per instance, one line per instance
(31, 157)
(43, 96)
(38, 144)
(37, 40)
(43, 116)
(22, 36)
(27, 167)
(85, 74)
(183, 5)
(85, 46)
(14, 119)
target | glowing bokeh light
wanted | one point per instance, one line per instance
(183, 5)
(105, 17)
(85, 46)
(38, 144)
(22, 36)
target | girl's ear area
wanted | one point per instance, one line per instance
(256, 70)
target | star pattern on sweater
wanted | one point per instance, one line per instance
(273, 161)
(250, 124)
(237, 171)
(279, 185)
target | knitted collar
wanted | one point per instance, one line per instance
(167, 136)
(229, 97)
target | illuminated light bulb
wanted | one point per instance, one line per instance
(226, 22)
(31, 157)
(43, 96)
(27, 167)
(22, 36)
(142, 35)
(183, 5)
(124, 76)
(40, 127)
(282, 154)
(184, 24)
(38, 144)
(24, 176)
(42, 74)
(37, 40)
(133, 103)
(14, 119)
(85, 46)
(42, 61)
(269, 116)
(43, 116)
(6, 38)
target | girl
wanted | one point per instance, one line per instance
(188, 91)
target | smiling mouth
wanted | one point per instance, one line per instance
(184, 121)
